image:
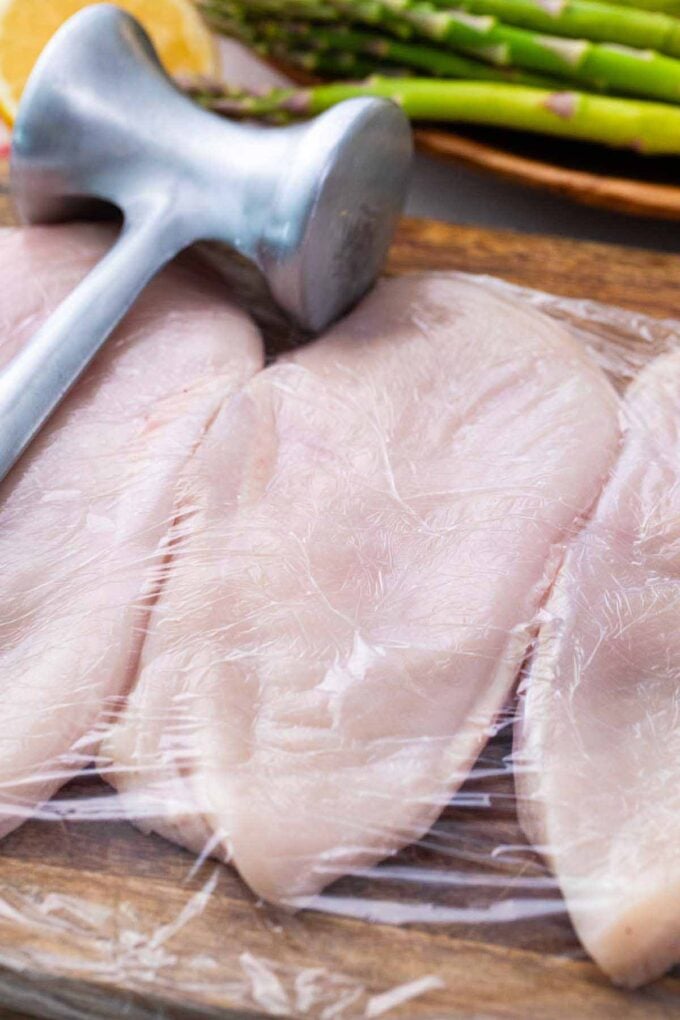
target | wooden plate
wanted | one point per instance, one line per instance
(625, 182)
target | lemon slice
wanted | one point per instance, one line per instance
(182, 39)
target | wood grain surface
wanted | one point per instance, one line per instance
(98, 920)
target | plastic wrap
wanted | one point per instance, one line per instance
(100, 917)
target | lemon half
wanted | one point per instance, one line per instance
(184, 44)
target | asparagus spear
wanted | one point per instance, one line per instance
(583, 19)
(671, 7)
(439, 63)
(369, 12)
(221, 11)
(328, 63)
(596, 65)
(644, 126)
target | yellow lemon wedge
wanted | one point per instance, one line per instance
(184, 44)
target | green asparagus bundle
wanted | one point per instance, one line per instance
(532, 65)
(287, 41)
(591, 65)
(636, 72)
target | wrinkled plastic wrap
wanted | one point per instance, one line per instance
(99, 918)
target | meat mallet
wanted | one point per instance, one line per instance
(314, 205)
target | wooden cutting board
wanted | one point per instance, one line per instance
(97, 920)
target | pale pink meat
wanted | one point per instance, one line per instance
(85, 515)
(598, 746)
(371, 528)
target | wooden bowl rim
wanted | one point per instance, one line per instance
(622, 194)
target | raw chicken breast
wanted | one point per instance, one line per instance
(598, 747)
(373, 527)
(85, 514)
